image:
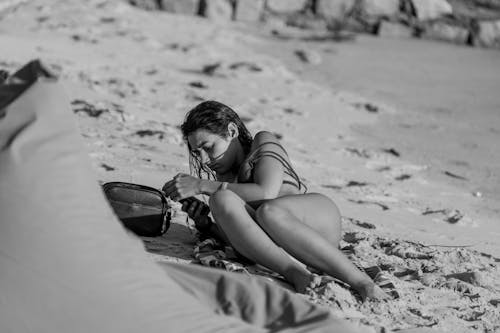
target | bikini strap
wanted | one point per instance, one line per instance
(257, 154)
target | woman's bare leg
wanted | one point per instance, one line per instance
(234, 217)
(308, 227)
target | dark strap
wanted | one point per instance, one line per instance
(257, 154)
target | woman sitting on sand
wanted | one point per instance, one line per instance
(259, 203)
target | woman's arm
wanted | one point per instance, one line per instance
(248, 191)
(268, 173)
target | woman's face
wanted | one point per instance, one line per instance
(216, 152)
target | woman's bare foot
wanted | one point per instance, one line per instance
(369, 290)
(303, 280)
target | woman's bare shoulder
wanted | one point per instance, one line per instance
(265, 140)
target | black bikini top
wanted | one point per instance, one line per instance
(258, 153)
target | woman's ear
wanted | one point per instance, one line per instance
(232, 130)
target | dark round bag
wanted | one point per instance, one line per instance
(142, 209)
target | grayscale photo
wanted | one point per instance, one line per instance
(195, 166)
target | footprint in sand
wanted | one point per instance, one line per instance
(359, 223)
(402, 177)
(363, 153)
(309, 56)
(292, 111)
(367, 202)
(194, 97)
(367, 153)
(84, 38)
(213, 70)
(107, 167)
(198, 84)
(143, 133)
(184, 48)
(383, 168)
(252, 67)
(81, 106)
(371, 108)
(98, 108)
(333, 187)
(392, 151)
(121, 87)
(454, 175)
(351, 183)
(452, 216)
(354, 183)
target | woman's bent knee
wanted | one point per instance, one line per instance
(224, 202)
(269, 211)
(222, 197)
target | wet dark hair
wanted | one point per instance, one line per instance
(213, 117)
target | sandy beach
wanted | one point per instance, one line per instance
(444, 116)
(400, 133)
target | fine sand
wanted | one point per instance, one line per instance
(400, 134)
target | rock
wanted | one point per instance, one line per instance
(431, 9)
(337, 9)
(380, 7)
(362, 23)
(217, 10)
(145, 4)
(305, 21)
(309, 56)
(394, 30)
(6, 5)
(248, 10)
(186, 7)
(286, 6)
(446, 32)
(487, 33)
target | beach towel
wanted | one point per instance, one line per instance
(68, 265)
(212, 253)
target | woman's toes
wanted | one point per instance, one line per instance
(304, 281)
(371, 291)
(319, 281)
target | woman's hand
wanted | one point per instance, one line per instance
(182, 186)
(198, 211)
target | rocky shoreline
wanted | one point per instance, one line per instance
(473, 23)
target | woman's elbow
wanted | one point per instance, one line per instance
(268, 194)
